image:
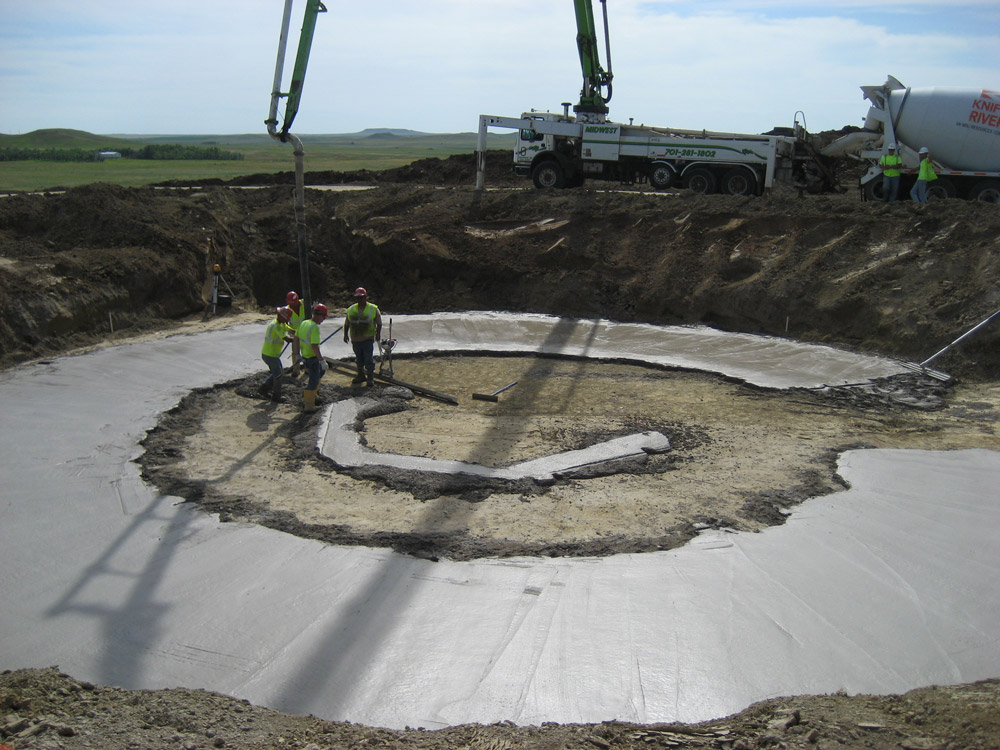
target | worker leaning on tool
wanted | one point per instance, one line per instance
(312, 358)
(362, 326)
(298, 315)
(278, 331)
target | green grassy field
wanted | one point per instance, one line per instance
(261, 154)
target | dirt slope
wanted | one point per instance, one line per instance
(900, 279)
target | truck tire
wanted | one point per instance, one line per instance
(875, 190)
(987, 191)
(548, 174)
(701, 180)
(661, 176)
(941, 189)
(739, 181)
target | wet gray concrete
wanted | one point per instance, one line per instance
(339, 442)
(885, 587)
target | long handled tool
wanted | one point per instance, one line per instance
(492, 396)
(345, 369)
(922, 367)
(385, 347)
(338, 330)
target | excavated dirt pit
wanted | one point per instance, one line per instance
(740, 456)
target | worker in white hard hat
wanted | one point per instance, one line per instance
(362, 328)
(925, 176)
(890, 163)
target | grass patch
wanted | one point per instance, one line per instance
(262, 155)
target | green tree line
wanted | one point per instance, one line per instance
(162, 151)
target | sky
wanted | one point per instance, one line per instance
(207, 66)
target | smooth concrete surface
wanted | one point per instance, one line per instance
(761, 360)
(886, 587)
(338, 441)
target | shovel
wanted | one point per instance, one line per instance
(492, 396)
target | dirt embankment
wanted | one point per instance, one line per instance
(898, 279)
(44, 708)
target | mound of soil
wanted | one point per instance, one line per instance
(44, 708)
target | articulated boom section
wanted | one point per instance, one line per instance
(593, 102)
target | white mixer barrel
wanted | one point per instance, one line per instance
(961, 127)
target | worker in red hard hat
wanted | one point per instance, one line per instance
(309, 341)
(298, 309)
(362, 327)
(277, 333)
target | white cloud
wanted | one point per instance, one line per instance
(207, 66)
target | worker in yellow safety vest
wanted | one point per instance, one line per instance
(312, 358)
(890, 163)
(362, 327)
(298, 315)
(925, 176)
(275, 335)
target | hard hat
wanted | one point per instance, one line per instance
(923, 150)
(319, 309)
(291, 297)
(891, 147)
(360, 292)
(284, 314)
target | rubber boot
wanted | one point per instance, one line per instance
(276, 396)
(309, 400)
(359, 378)
(371, 378)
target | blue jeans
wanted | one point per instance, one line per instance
(890, 188)
(364, 354)
(315, 369)
(919, 192)
(274, 365)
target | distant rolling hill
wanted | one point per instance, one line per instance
(64, 138)
(68, 138)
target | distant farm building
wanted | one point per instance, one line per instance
(102, 155)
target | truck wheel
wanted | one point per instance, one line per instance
(941, 189)
(987, 190)
(700, 180)
(875, 190)
(548, 174)
(661, 176)
(739, 181)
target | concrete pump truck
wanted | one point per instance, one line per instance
(561, 150)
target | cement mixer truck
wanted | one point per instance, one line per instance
(960, 128)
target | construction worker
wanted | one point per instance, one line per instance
(925, 176)
(362, 327)
(309, 340)
(277, 332)
(298, 315)
(890, 163)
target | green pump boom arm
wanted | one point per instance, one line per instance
(595, 79)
